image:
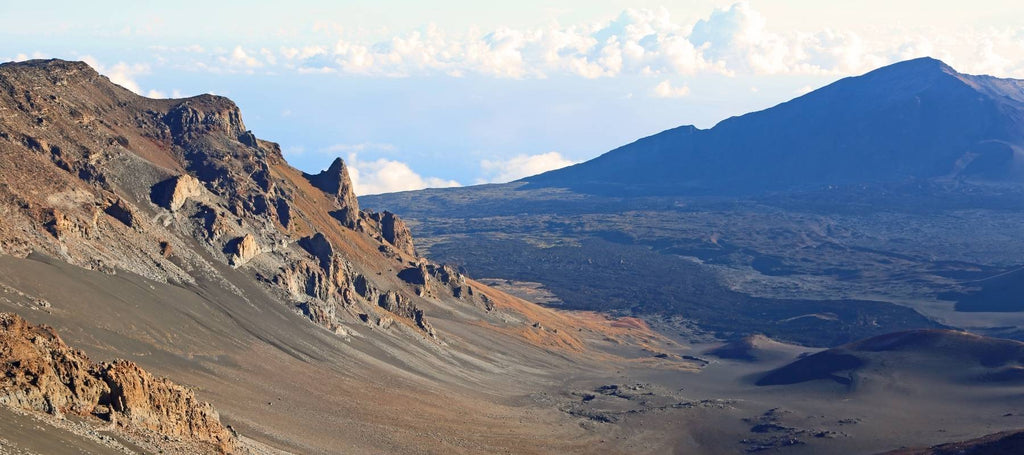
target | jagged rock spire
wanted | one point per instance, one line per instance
(336, 182)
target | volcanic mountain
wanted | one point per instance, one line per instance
(209, 297)
(918, 119)
(165, 233)
(836, 216)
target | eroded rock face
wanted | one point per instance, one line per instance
(41, 373)
(243, 249)
(121, 211)
(397, 233)
(430, 279)
(318, 246)
(140, 400)
(204, 114)
(172, 193)
(336, 182)
(392, 229)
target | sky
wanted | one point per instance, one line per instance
(419, 94)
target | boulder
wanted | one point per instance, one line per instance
(243, 249)
(172, 193)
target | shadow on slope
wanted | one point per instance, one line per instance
(940, 355)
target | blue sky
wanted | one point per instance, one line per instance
(463, 92)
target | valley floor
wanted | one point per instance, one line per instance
(285, 384)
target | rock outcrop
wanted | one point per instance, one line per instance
(121, 211)
(172, 193)
(223, 195)
(430, 279)
(205, 114)
(137, 399)
(392, 229)
(397, 233)
(320, 248)
(335, 181)
(41, 373)
(243, 249)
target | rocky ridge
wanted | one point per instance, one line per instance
(171, 189)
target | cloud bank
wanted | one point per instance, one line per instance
(387, 176)
(645, 42)
(519, 166)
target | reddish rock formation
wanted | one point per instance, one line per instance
(243, 249)
(233, 197)
(173, 193)
(335, 181)
(41, 373)
(392, 229)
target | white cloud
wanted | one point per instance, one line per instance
(388, 176)
(121, 73)
(666, 90)
(521, 166)
(735, 40)
(22, 57)
(239, 57)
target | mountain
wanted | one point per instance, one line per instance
(164, 233)
(869, 206)
(917, 119)
(211, 298)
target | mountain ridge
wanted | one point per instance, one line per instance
(917, 119)
(164, 232)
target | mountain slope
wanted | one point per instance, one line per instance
(899, 186)
(165, 233)
(917, 119)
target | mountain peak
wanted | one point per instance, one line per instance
(336, 182)
(923, 68)
(59, 72)
(916, 119)
(51, 65)
(921, 64)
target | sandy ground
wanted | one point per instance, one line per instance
(289, 385)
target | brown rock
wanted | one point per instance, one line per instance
(172, 193)
(157, 404)
(243, 249)
(121, 211)
(166, 249)
(335, 182)
(41, 373)
(61, 225)
(318, 246)
(392, 229)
